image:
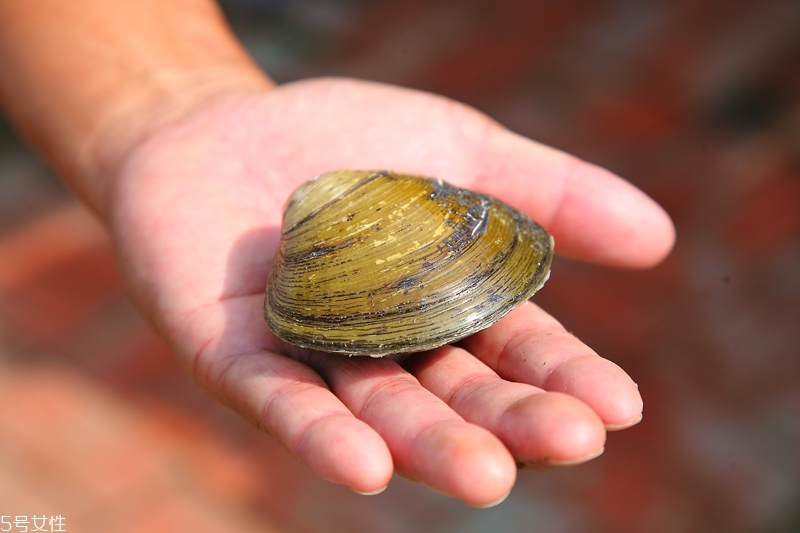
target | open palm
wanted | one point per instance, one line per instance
(196, 217)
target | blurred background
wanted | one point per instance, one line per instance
(697, 103)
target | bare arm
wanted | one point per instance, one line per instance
(85, 80)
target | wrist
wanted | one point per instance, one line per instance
(146, 106)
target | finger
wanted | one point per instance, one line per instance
(593, 214)
(539, 428)
(429, 442)
(530, 346)
(286, 398)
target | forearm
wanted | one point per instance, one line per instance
(85, 80)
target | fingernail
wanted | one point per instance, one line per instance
(372, 493)
(572, 462)
(624, 425)
(497, 502)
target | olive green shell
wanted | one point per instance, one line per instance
(374, 263)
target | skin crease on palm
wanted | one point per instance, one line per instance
(196, 213)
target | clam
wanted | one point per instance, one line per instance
(375, 263)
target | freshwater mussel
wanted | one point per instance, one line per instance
(376, 262)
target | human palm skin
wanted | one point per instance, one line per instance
(195, 211)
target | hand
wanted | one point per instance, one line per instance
(196, 212)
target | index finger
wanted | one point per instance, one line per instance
(593, 214)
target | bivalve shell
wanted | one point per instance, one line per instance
(375, 262)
